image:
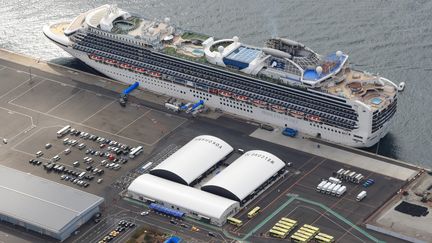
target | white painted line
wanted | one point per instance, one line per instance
(180, 123)
(31, 135)
(82, 122)
(25, 92)
(25, 130)
(64, 101)
(73, 122)
(145, 113)
(14, 88)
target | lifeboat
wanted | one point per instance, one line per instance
(95, 57)
(112, 62)
(155, 74)
(225, 93)
(278, 108)
(313, 118)
(213, 91)
(259, 103)
(125, 66)
(297, 114)
(241, 98)
(140, 70)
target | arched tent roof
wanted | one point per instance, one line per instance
(193, 159)
(186, 197)
(244, 175)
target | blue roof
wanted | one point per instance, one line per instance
(244, 54)
(173, 239)
(167, 211)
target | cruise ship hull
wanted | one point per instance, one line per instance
(233, 106)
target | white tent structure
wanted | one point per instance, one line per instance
(244, 175)
(193, 159)
(194, 202)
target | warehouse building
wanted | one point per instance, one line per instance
(192, 201)
(42, 205)
(246, 176)
(194, 160)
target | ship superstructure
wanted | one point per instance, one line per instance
(284, 83)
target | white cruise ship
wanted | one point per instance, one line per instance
(285, 83)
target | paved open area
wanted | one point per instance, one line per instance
(34, 107)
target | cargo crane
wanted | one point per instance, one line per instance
(124, 95)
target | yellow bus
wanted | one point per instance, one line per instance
(280, 229)
(278, 234)
(234, 221)
(283, 226)
(312, 232)
(300, 231)
(307, 237)
(289, 221)
(324, 238)
(286, 224)
(311, 227)
(254, 212)
(298, 239)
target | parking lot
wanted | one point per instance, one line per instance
(34, 109)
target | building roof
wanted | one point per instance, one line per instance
(193, 159)
(244, 175)
(186, 197)
(40, 202)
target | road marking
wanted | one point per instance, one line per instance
(21, 84)
(24, 130)
(64, 101)
(145, 113)
(101, 109)
(80, 124)
(289, 188)
(25, 92)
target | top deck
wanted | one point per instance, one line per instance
(283, 61)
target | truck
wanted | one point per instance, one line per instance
(358, 178)
(325, 187)
(341, 191)
(290, 132)
(361, 196)
(172, 107)
(335, 189)
(335, 180)
(344, 176)
(339, 173)
(321, 185)
(330, 188)
(124, 95)
(351, 176)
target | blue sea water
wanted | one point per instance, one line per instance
(392, 38)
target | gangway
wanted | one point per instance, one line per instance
(124, 95)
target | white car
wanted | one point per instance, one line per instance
(39, 154)
(144, 213)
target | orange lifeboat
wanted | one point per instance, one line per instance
(155, 74)
(125, 66)
(213, 91)
(225, 93)
(313, 118)
(297, 114)
(95, 57)
(278, 108)
(242, 98)
(111, 62)
(140, 70)
(259, 103)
